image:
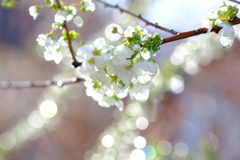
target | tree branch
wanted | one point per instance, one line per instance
(235, 1)
(75, 63)
(199, 31)
(47, 83)
(139, 17)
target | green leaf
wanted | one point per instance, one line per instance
(134, 55)
(135, 39)
(140, 32)
(153, 43)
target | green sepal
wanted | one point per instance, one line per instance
(96, 85)
(134, 55)
(121, 84)
(91, 61)
(8, 4)
(38, 9)
(131, 85)
(114, 30)
(116, 97)
(97, 52)
(81, 44)
(105, 68)
(47, 1)
(113, 78)
(64, 34)
(73, 35)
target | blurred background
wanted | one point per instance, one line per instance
(193, 112)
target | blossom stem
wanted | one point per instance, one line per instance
(140, 17)
(47, 83)
(75, 4)
(52, 31)
(75, 63)
(235, 1)
(199, 31)
(43, 6)
(59, 4)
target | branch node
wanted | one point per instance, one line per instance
(140, 17)
(76, 64)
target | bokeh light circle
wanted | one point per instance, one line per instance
(107, 141)
(48, 109)
(139, 142)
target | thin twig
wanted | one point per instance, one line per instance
(139, 17)
(47, 83)
(199, 31)
(75, 63)
(235, 1)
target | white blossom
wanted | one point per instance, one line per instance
(42, 38)
(129, 31)
(111, 73)
(78, 21)
(121, 55)
(139, 91)
(34, 11)
(65, 15)
(56, 57)
(89, 5)
(144, 71)
(227, 33)
(60, 17)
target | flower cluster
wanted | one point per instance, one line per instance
(54, 49)
(221, 15)
(65, 13)
(111, 73)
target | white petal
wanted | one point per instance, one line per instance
(227, 36)
(85, 52)
(146, 55)
(120, 105)
(78, 21)
(238, 14)
(144, 71)
(99, 43)
(123, 52)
